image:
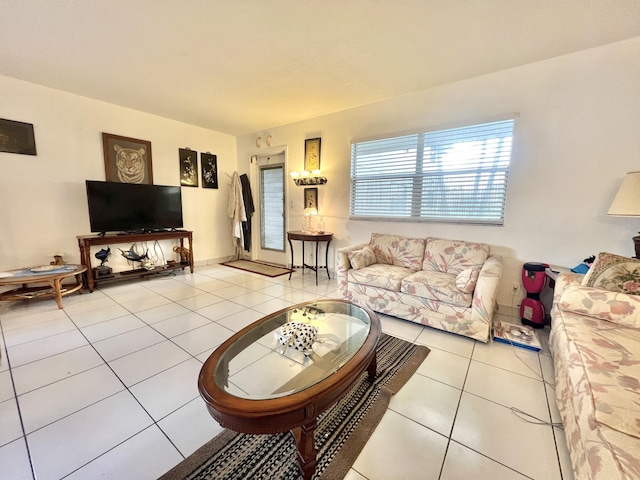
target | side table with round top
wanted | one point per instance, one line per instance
(316, 237)
(46, 281)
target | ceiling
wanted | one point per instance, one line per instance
(249, 65)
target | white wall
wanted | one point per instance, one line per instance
(577, 134)
(43, 204)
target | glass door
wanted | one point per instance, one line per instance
(272, 210)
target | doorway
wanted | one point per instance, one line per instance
(271, 214)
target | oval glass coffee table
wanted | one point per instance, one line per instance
(251, 385)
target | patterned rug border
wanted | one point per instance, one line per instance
(237, 267)
(342, 461)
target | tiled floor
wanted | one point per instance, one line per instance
(106, 388)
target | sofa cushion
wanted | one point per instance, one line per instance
(436, 286)
(613, 307)
(362, 258)
(615, 273)
(453, 256)
(388, 277)
(466, 280)
(398, 250)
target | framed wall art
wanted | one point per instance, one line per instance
(312, 154)
(311, 198)
(188, 167)
(209, 166)
(127, 160)
(17, 137)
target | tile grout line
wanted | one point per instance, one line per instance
(15, 398)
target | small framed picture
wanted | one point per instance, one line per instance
(17, 137)
(311, 198)
(209, 166)
(188, 167)
(312, 154)
(127, 160)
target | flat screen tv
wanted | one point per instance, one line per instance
(132, 207)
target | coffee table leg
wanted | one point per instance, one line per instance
(307, 454)
(372, 368)
(57, 288)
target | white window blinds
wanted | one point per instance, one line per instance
(454, 175)
(272, 207)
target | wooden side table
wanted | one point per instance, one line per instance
(316, 237)
(52, 281)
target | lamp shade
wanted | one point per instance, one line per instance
(627, 200)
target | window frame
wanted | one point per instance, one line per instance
(416, 197)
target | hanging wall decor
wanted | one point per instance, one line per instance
(312, 154)
(188, 167)
(209, 166)
(17, 137)
(311, 198)
(127, 160)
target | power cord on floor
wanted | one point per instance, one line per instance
(527, 417)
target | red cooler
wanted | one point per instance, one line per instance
(531, 308)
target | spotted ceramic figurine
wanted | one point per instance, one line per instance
(299, 336)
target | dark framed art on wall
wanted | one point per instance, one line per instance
(209, 166)
(311, 198)
(17, 137)
(127, 160)
(188, 167)
(312, 154)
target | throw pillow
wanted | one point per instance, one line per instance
(362, 258)
(466, 280)
(614, 273)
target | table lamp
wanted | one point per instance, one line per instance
(308, 213)
(627, 202)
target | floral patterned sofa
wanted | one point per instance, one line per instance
(446, 284)
(595, 342)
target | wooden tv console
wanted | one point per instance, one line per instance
(85, 242)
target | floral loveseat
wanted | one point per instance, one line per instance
(445, 284)
(595, 342)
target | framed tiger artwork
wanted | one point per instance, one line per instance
(127, 160)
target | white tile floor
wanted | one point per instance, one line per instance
(107, 387)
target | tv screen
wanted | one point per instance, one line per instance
(133, 207)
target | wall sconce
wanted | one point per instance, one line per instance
(305, 178)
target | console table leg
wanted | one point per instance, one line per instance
(326, 259)
(317, 243)
(291, 250)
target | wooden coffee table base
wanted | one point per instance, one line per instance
(305, 434)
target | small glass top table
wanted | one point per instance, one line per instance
(49, 275)
(252, 385)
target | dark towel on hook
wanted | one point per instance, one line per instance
(248, 208)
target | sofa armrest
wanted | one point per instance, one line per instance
(564, 280)
(486, 291)
(343, 265)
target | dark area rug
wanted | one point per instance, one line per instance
(257, 267)
(341, 434)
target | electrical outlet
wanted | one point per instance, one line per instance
(515, 287)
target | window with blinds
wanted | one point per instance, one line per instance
(272, 207)
(455, 175)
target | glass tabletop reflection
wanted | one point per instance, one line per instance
(257, 366)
